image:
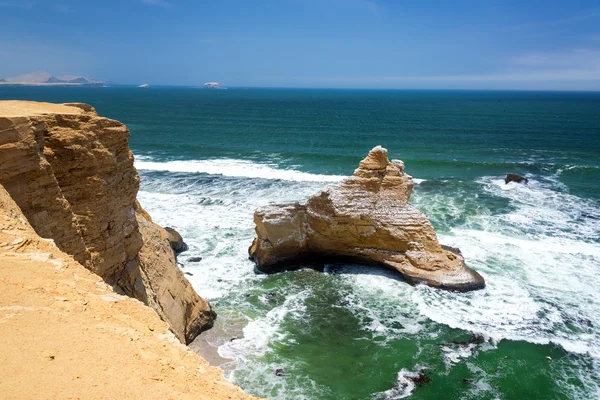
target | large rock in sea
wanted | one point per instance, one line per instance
(515, 178)
(71, 173)
(365, 219)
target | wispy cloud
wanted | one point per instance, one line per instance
(370, 7)
(63, 8)
(588, 14)
(573, 58)
(523, 76)
(162, 3)
(570, 69)
(17, 4)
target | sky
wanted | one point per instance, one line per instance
(444, 44)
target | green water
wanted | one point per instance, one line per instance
(207, 159)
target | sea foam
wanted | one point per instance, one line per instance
(539, 255)
(540, 259)
(234, 168)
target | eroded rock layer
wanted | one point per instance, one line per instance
(367, 219)
(71, 172)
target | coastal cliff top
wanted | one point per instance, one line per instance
(18, 108)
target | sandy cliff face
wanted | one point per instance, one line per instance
(167, 290)
(64, 334)
(366, 218)
(71, 172)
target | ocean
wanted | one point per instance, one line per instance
(209, 158)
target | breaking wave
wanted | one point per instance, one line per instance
(234, 168)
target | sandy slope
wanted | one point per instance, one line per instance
(17, 108)
(64, 334)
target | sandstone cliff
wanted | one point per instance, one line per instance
(64, 334)
(367, 219)
(71, 173)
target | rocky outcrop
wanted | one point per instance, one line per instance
(65, 334)
(71, 172)
(164, 288)
(515, 178)
(365, 219)
(176, 241)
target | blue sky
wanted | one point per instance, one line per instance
(485, 44)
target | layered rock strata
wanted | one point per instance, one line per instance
(71, 173)
(366, 219)
(65, 334)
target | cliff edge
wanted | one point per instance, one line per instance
(366, 219)
(71, 173)
(65, 334)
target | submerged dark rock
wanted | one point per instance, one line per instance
(279, 372)
(475, 339)
(420, 378)
(194, 259)
(515, 178)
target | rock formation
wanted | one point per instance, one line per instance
(212, 85)
(366, 219)
(166, 289)
(71, 173)
(515, 178)
(176, 241)
(64, 334)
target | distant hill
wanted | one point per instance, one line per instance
(33, 77)
(53, 79)
(2, 80)
(45, 78)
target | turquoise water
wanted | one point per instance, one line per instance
(207, 159)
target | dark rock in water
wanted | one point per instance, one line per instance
(467, 380)
(189, 273)
(420, 379)
(515, 178)
(279, 372)
(194, 259)
(176, 241)
(475, 339)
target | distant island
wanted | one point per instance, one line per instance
(43, 78)
(212, 85)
